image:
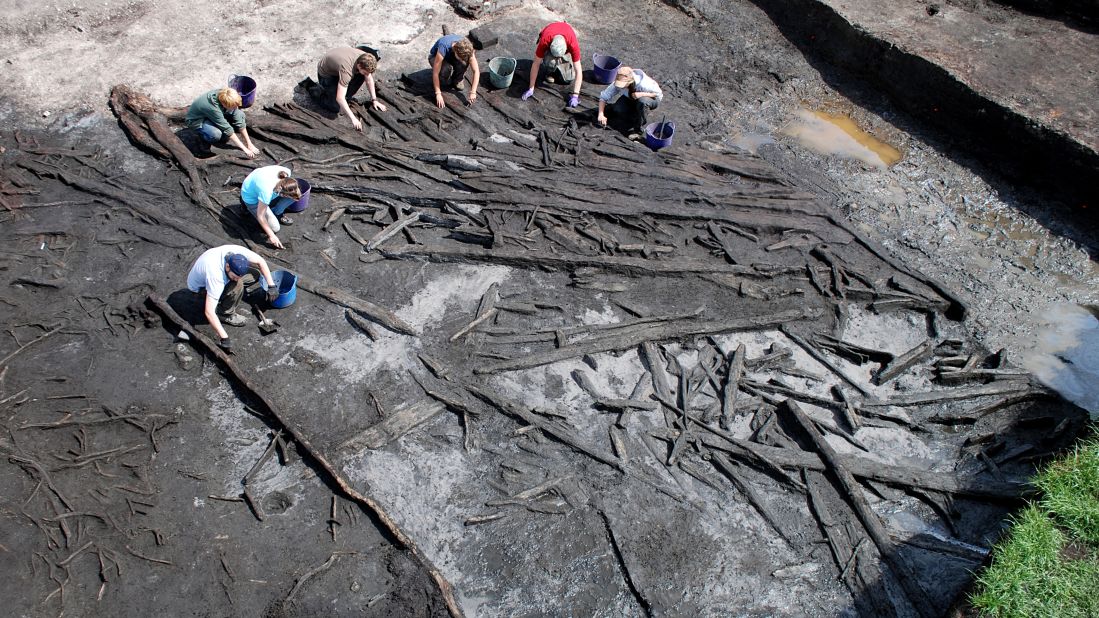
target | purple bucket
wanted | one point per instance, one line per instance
(246, 86)
(659, 134)
(604, 68)
(303, 201)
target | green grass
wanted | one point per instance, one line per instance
(1029, 577)
(1070, 489)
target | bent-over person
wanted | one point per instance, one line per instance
(632, 95)
(217, 116)
(267, 192)
(450, 57)
(340, 74)
(219, 275)
(557, 55)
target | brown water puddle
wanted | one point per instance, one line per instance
(835, 133)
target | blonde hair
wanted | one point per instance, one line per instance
(229, 98)
(366, 62)
(288, 186)
(463, 49)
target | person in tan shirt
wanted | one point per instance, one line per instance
(340, 74)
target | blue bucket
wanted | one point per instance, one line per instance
(303, 201)
(246, 86)
(659, 134)
(604, 68)
(287, 283)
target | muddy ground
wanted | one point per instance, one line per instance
(1001, 249)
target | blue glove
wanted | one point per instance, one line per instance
(574, 100)
(528, 94)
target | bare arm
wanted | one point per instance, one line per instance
(601, 117)
(378, 106)
(534, 68)
(436, 67)
(247, 139)
(265, 271)
(235, 140)
(341, 100)
(261, 217)
(212, 316)
(476, 78)
(578, 81)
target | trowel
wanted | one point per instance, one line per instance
(266, 325)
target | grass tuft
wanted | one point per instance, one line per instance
(1030, 575)
(1029, 578)
(1071, 492)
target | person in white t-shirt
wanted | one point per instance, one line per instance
(220, 274)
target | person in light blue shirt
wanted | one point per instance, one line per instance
(267, 192)
(632, 95)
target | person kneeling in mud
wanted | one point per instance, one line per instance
(218, 278)
(217, 117)
(450, 57)
(267, 192)
(340, 74)
(632, 95)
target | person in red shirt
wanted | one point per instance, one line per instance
(558, 54)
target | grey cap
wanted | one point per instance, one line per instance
(557, 47)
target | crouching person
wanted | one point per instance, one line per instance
(450, 57)
(632, 95)
(220, 275)
(267, 192)
(217, 116)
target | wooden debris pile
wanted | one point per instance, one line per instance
(735, 305)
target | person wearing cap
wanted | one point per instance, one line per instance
(558, 54)
(632, 95)
(217, 116)
(340, 74)
(221, 274)
(267, 192)
(456, 52)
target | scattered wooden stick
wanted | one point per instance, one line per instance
(854, 493)
(212, 348)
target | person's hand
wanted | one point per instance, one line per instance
(358, 125)
(439, 102)
(225, 345)
(275, 242)
(472, 97)
(378, 106)
(272, 293)
(255, 150)
(574, 100)
(528, 94)
(602, 119)
(249, 153)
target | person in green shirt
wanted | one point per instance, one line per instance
(217, 116)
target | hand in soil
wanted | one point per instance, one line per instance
(602, 120)
(378, 106)
(274, 240)
(528, 94)
(358, 127)
(439, 102)
(225, 345)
